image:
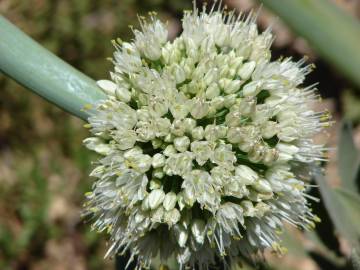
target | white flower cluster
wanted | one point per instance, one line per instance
(202, 139)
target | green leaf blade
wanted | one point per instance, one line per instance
(333, 33)
(343, 207)
(348, 158)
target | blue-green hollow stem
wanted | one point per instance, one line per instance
(34, 67)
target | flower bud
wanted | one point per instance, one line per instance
(257, 152)
(247, 106)
(221, 131)
(97, 145)
(157, 106)
(155, 184)
(156, 143)
(158, 160)
(202, 151)
(245, 175)
(139, 217)
(169, 150)
(229, 100)
(286, 115)
(181, 235)
(157, 214)
(198, 230)
(125, 139)
(212, 91)
(143, 114)
(180, 200)
(145, 204)
(217, 102)
(145, 131)
(199, 109)
(169, 201)
(97, 171)
(180, 110)
(132, 153)
(222, 35)
(234, 135)
(156, 197)
(143, 99)
(141, 163)
(198, 133)
(122, 94)
(166, 53)
(181, 143)
(230, 86)
(261, 114)
(252, 88)
(286, 151)
(269, 129)
(179, 164)
(262, 186)
(255, 196)
(233, 119)
(224, 156)
(288, 134)
(236, 62)
(189, 124)
(179, 74)
(210, 133)
(224, 71)
(199, 72)
(107, 86)
(189, 67)
(189, 197)
(270, 156)
(246, 70)
(191, 49)
(172, 217)
(246, 145)
(158, 173)
(260, 209)
(183, 256)
(177, 128)
(249, 209)
(211, 76)
(169, 138)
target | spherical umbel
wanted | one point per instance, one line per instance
(199, 138)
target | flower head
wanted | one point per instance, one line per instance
(201, 140)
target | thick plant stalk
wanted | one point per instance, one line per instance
(42, 72)
(334, 34)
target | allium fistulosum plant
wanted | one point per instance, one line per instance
(205, 142)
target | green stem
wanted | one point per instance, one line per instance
(31, 65)
(332, 32)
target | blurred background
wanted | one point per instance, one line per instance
(44, 167)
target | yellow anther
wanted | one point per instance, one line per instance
(88, 107)
(317, 219)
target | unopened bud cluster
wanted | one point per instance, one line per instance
(199, 138)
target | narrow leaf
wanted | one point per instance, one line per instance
(324, 250)
(348, 157)
(329, 30)
(341, 210)
(292, 244)
(350, 203)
